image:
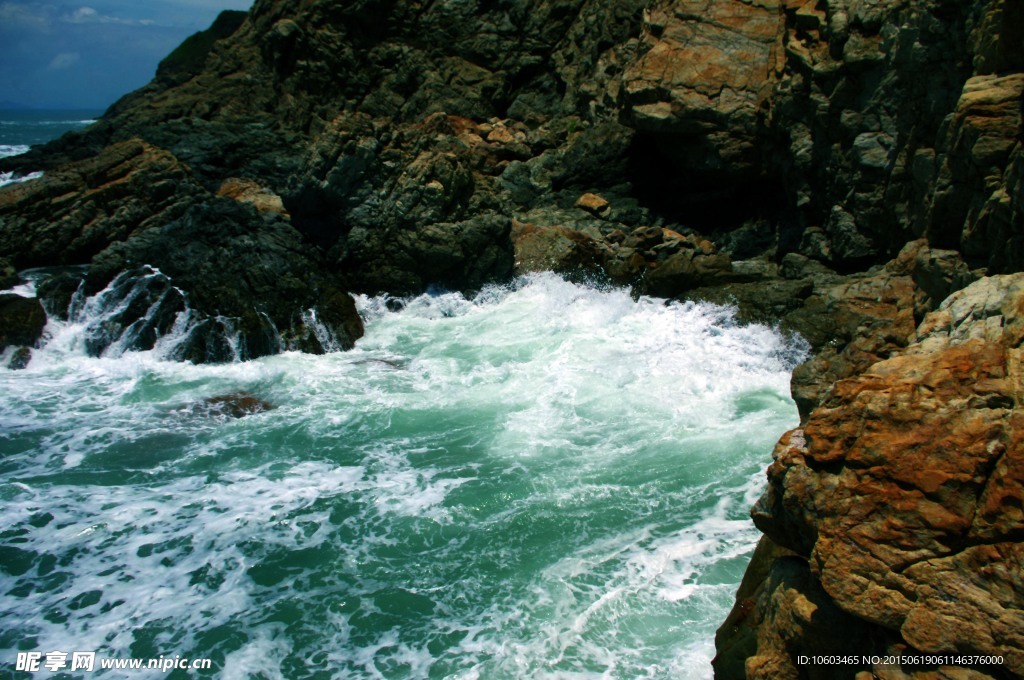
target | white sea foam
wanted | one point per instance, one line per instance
(12, 150)
(27, 290)
(547, 480)
(39, 123)
(11, 178)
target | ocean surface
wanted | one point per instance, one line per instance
(20, 129)
(545, 480)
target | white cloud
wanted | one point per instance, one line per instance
(83, 15)
(64, 60)
(89, 15)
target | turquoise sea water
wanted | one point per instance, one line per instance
(545, 481)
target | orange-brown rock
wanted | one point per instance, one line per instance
(592, 203)
(247, 191)
(710, 59)
(708, 68)
(861, 319)
(903, 492)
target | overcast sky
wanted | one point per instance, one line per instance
(87, 53)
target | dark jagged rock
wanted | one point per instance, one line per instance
(884, 111)
(249, 273)
(133, 312)
(402, 216)
(21, 321)
(20, 359)
(8, 274)
(57, 291)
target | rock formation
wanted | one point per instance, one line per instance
(849, 169)
(898, 507)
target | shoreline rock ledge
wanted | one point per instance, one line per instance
(893, 515)
(851, 170)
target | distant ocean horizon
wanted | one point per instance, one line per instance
(20, 129)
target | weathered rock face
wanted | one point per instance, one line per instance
(976, 207)
(858, 320)
(902, 492)
(880, 121)
(71, 214)
(705, 76)
(398, 135)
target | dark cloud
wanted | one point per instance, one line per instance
(75, 54)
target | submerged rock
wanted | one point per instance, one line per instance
(236, 405)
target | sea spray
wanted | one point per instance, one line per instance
(546, 480)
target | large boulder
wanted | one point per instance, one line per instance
(22, 321)
(557, 249)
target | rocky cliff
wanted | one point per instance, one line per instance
(850, 169)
